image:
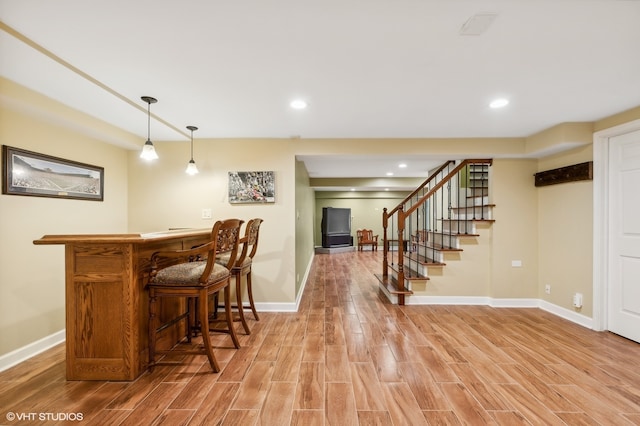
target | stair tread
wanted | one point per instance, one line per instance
(409, 274)
(467, 220)
(438, 247)
(423, 260)
(452, 234)
(472, 207)
(391, 284)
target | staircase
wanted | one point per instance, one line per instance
(431, 222)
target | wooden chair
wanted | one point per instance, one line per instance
(242, 268)
(195, 280)
(365, 238)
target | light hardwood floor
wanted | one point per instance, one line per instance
(348, 357)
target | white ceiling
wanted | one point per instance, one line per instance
(367, 68)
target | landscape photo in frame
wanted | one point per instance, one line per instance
(30, 173)
(251, 187)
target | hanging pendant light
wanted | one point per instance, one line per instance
(191, 166)
(148, 151)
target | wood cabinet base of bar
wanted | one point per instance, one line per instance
(106, 301)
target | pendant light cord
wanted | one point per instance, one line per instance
(191, 145)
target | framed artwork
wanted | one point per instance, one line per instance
(40, 175)
(251, 187)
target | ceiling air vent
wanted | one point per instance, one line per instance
(477, 24)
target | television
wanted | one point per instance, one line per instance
(336, 221)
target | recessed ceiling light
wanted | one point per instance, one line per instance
(298, 104)
(499, 103)
(389, 173)
(402, 165)
(353, 189)
(386, 189)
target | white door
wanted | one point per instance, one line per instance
(624, 219)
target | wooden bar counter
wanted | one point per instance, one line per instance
(107, 302)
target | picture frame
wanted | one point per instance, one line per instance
(251, 187)
(40, 175)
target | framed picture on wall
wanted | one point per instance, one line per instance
(30, 173)
(251, 187)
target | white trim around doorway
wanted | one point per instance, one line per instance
(601, 220)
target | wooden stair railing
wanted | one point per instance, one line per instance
(429, 221)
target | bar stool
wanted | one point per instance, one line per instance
(194, 281)
(242, 267)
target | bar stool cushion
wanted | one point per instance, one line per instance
(188, 274)
(224, 260)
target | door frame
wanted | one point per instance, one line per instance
(601, 237)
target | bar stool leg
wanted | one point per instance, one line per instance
(152, 328)
(203, 302)
(238, 279)
(229, 316)
(250, 293)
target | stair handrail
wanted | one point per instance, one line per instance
(417, 190)
(444, 180)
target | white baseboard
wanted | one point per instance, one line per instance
(447, 300)
(24, 353)
(567, 314)
(515, 303)
(473, 300)
(559, 311)
(288, 307)
(304, 280)
(276, 307)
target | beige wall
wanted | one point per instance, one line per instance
(442, 149)
(565, 236)
(617, 119)
(515, 231)
(162, 196)
(32, 277)
(305, 218)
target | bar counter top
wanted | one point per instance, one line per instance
(121, 238)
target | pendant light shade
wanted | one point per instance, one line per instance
(191, 165)
(148, 150)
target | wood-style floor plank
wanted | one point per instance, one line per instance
(310, 387)
(340, 405)
(348, 357)
(217, 403)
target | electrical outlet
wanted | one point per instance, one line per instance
(206, 213)
(577, 300)
(547, 288)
